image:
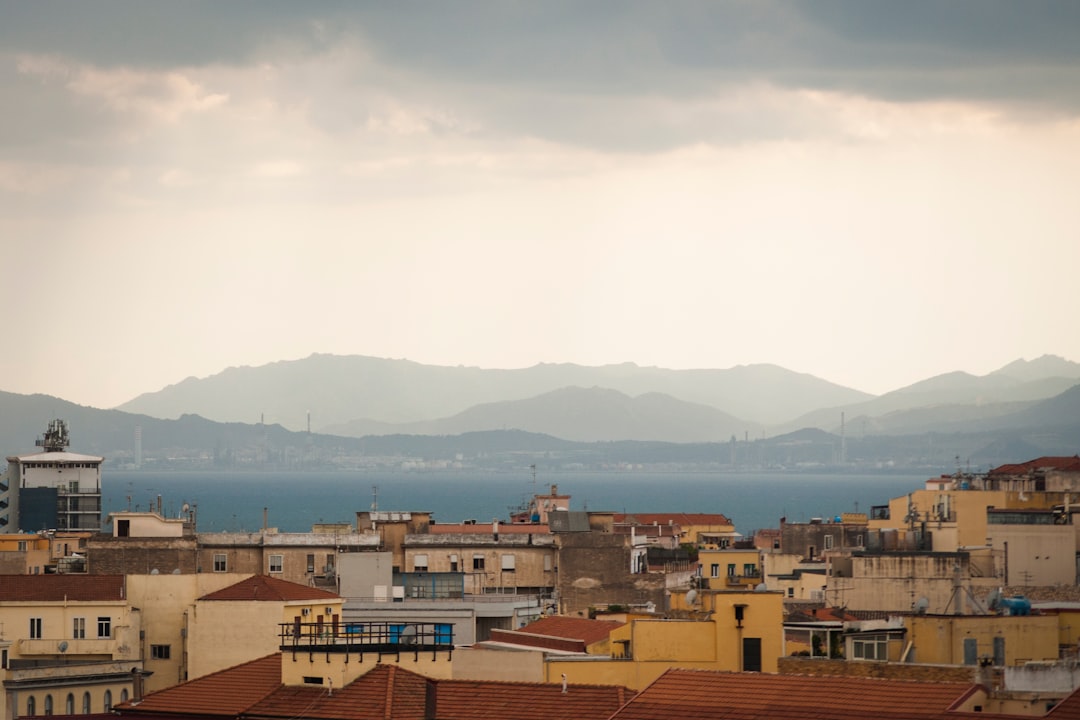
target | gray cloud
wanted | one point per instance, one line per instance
(595, 73)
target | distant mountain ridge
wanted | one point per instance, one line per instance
(340, 389)
(580, 414)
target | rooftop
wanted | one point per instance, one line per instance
(264, 587)
(386, 692)
(572, 628)
(61, 588)
(710, 695)
(673, 518)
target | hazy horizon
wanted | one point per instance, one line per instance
(867, 192)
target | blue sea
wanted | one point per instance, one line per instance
(296, 501)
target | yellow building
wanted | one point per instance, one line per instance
(969, 639)
(70, 644)
(722, 569)
(733, 630)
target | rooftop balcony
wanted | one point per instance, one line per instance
(358, 638)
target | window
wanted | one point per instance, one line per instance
(791, 592)
(508, 563)
(547, 563)
(3, 659)
(221, 562)
(78, 630)
(277, 563)
(714, 570)
(22, 546)
(453, 562)
(104, 627)
(48, 704)
(870, 647)
(31, 706)
(828, 542)
(477, 562)
(159, 652)
(69, 705)
(35, 628)
(311, 562)
(86, 703)
(108, 701)
(731, 570)
(859, 541)
(749, 570)
(329, 564)
(123, 695)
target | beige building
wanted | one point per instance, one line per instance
(244, 621)
(69, 644)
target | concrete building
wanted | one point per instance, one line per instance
(52, 489)
(68, 644)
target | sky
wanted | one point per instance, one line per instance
(867, 191)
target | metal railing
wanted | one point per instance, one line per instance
(359, 637)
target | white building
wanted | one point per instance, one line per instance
(52, 489)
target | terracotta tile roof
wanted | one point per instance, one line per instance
(538, 642)
(1048, 462)
(227, 692)
(1067, 709)
(264, 587)
(571, 628)
(485, 700)
(676, 518)
(485, 529)
(710, 695)
(57, 588)
(387, 692)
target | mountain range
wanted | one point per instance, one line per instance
(359, 406)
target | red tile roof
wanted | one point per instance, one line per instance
(710, 695)
(264, 587)
(387, 692)
(227, 692)
(484, 700)
(58, 588)
(589, 631)
(1048, 462)
(676, 518)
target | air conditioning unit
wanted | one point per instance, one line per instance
(305, 612)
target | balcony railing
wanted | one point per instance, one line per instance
(358, 638)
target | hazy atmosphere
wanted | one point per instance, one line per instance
(870, 192)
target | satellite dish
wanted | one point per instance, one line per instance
(921, 605)
(691, 597)
(408, 635)
(185, 508)
(154, 571)
(176, 571)
(761, 587)
(63, 646)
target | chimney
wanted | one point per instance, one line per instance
(136, 685)
(430, 700)
(495, 529)
(266, 518)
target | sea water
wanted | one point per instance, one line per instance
(295, 501)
